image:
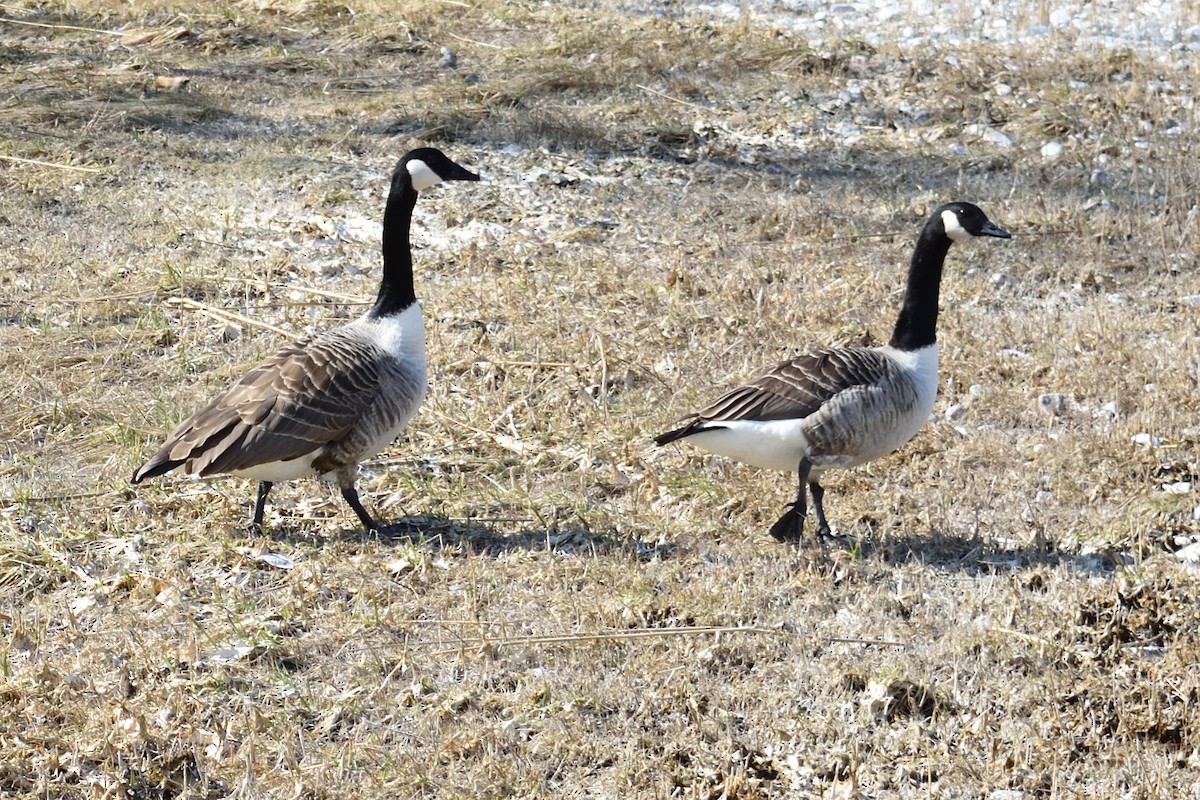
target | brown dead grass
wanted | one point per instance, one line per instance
(667, 209)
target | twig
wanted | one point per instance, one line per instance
(602, 392)
(35, 132)
(611, 636)
(57, 498)
(377, 76)
(110, 298)
(874, 642)
(346, 298)
(11, 21)
(503, 363)
(687, 103)
(533, 364)
(229, 316)
(473, 41)
(50, 164)
(1029, 637)
(226, 245)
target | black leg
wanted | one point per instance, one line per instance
(264, 488)
(350, 494)
(818, 494)
(790, 526)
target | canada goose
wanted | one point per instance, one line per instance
(844, 406)
(326, 402)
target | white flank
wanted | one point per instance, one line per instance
(954, 228)
(773, 444)
(277, 471)
(422, 176)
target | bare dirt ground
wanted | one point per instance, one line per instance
(670, 204)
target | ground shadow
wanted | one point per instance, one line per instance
(484, 538)
(973, 555)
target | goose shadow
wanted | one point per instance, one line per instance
(974, 554)
(486, 538)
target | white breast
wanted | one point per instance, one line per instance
(890, 428)
(402, 335)
(923, 366)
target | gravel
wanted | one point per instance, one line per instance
(1169, 30)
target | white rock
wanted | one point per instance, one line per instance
(1146, 440)
(1060, 17)
(236, 650)
(359, 230)
(998, 137)
(884, 13)
(955, 412)
(1051, 151)
(1179, 487)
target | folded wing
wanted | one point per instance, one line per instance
(794, 389)
(299, 401)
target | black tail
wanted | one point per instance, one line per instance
(675, 435)
(161, 464)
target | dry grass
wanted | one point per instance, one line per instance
(670, 205)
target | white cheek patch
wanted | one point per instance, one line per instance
(954, 229)
(422, 176)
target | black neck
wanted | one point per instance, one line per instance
(916, 327)
(396, 289)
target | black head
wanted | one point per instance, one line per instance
(960, 220)
(428, 166)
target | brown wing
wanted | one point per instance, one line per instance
(306, 396)
(794, 389)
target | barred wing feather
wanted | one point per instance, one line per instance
(799, 387)
(303, 398)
